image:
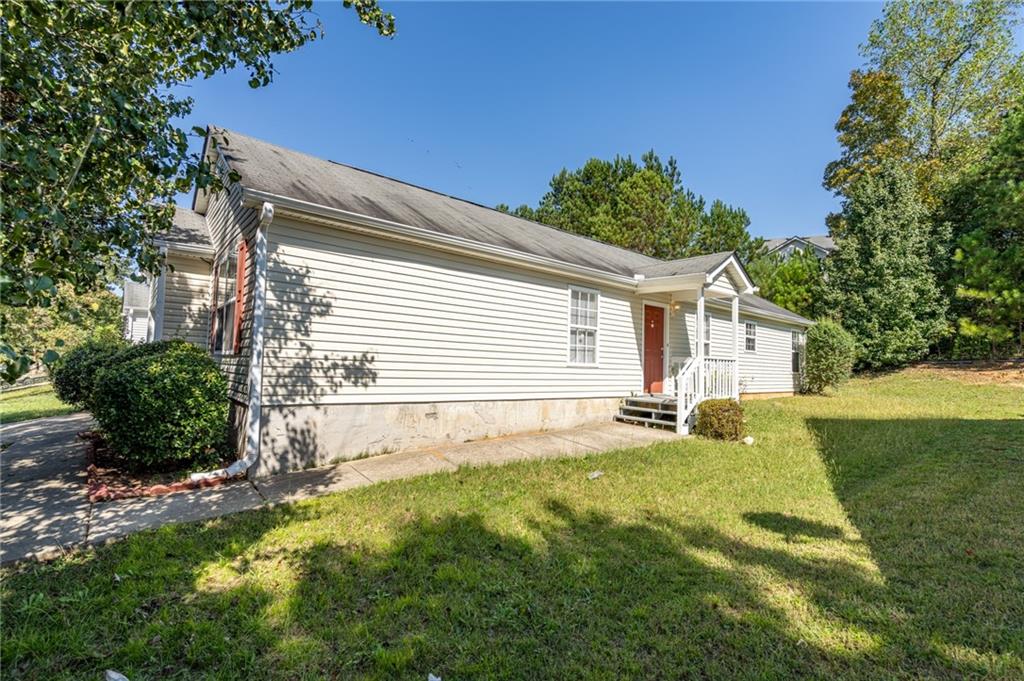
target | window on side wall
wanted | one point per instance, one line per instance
(225, 302)
(583, 325)
(707, 335)
(797, 341)
(750, 336)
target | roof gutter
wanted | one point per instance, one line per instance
(254, 412)
(183, 248)
(372, 225)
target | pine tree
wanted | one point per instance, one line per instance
(880, 281)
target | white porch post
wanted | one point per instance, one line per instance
(736, 347)
(700, 343)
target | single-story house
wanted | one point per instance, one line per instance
(354, 314)
(820, 245)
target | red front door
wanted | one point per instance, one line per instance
(654, 348)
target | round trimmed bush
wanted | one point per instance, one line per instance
(828, 356)
(164, 409)
(137, 350)
(719, 419)
(74, 374)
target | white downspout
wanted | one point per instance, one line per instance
(254, 412)
(155, 331)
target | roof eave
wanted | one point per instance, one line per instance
(284, 205)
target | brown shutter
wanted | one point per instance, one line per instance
(242, 275)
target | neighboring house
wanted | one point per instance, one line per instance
(135, 307)
(821, 245)
(354, 313)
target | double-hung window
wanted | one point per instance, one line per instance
(228, 301)
(583, 325)
(707, 335)
(750, 336)
(797, 342)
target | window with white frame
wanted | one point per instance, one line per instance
(225, 300)
(797, 342)
(750, 336)
(583, 321)
(707, 335)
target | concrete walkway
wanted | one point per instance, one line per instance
(44, 509)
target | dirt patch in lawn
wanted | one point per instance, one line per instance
(995, 372)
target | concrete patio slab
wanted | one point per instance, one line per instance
(401, 465)
(113, 519)
(485, 452)
(44, 509)
(312, 483)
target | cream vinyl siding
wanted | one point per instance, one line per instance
(769, 369)
(229, 221)
(356, 319)
(764, 371)
(187, 299)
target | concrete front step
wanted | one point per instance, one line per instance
(625, 418)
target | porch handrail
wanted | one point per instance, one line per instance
(704, 378)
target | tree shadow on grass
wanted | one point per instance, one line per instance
(940, 505)
(793, 527)
(574, 593)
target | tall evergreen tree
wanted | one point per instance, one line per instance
(879, 281)
(986, 207)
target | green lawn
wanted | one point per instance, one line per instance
(31, 403)
(876, 534)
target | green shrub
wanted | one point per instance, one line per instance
(164, 409)
(720, 419)
(138, 350)
(828, 358)
(74, 374)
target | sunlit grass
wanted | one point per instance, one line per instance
(31, 403)
(878, 534)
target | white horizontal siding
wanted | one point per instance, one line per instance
(769, 368)
(766, 370)
(355, 319)
(187, 299)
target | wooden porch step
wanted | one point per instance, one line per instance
(648, 410)
(664, 403)
(641, 419)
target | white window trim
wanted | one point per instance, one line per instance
(747, 324)
(569, 327)
(797, 337)
(233, 298)
(666, 339)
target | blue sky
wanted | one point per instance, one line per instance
(486, 101)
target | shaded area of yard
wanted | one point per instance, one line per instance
(34, 402)
(876, 534)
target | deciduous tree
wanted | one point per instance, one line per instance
(92, 153)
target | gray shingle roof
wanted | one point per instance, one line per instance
(759, 304)
(188, 229)
(821, 241)
(675, 268)
(276, 170)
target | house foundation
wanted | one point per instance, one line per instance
(304, 436)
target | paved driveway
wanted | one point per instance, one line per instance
(44, 508)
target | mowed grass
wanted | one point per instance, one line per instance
(31, 403)
(874, 534)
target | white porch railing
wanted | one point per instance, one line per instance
(700, 379)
